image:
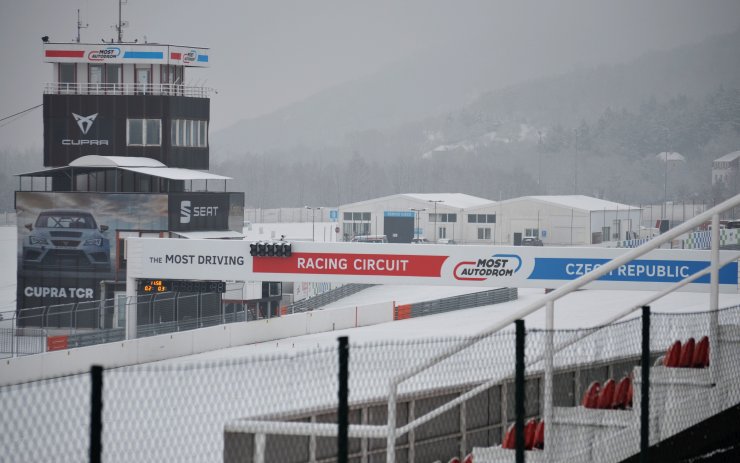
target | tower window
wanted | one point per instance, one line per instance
(144, 132)
(189, 133)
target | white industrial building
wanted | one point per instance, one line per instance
(464, 219)
(725, 168)
(404, 217)
(565, 220)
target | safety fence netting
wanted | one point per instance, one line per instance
(454, 394)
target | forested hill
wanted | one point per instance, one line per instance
(592, 131)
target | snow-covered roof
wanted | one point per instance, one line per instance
(223, 234)
(729, 157)
(456, 200)
(115, 161)
(141, 165)
(580, 202)
(176, 173)
(452, 200)
(670, 156)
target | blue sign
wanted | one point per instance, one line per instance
(333, 214)
(659, 271)
(398, 214)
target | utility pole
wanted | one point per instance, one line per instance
(539, 162)
(313, 210)
(435, 201)
(416, 231)
(575, 164)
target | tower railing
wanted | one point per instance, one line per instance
(88, 88)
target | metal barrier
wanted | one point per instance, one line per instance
(15, 342)
(328, 297)
(61, 88)
(464, 301)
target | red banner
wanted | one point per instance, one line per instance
(352, 264)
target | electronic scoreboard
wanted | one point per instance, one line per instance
(185, 286)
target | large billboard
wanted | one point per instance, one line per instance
(493, 266)
(68, 242)
(126, 53)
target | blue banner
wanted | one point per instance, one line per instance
(398, 214)
(658, 271)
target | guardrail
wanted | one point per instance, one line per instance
(61, 88)
(328, 297)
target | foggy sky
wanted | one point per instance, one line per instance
(267, 54)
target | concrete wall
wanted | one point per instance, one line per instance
(65, 362)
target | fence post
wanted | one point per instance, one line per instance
(343, 409)
(519, 391)
(96, 414)
(645, 387)
(549, 382)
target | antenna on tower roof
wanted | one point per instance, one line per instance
(80, 25)
(121, 23)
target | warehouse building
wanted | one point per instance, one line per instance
(409, 217)
(565, 220)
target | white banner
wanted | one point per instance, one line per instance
(408, 264)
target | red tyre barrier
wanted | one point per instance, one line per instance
(701, 354)
(687, 354)
(539, 436)
(606, 396)
(591, 396)
(673, 357)
(468, 458)
(620, 394)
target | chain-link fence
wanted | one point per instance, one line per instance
(283, 408)
(35, 330)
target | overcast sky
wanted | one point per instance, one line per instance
(267, 54)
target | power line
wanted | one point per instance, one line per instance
(21, 112)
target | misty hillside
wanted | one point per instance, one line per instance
(590, 131)
(440, 82)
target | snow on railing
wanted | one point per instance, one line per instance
(61, 88)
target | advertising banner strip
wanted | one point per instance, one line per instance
(352, 264)
(65, 53)
(663, 271)
(143, 55)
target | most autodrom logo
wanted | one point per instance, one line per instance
(85, 122)
(104, 54)
(498, 265)
(189, 57)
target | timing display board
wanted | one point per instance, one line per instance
(462, 265)
(148, 286)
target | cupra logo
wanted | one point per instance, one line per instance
(84, 123)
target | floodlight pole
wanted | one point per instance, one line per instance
(313, 210)
(416, 232)
(435, 201)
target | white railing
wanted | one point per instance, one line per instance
(60, 88)
(260, 428)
